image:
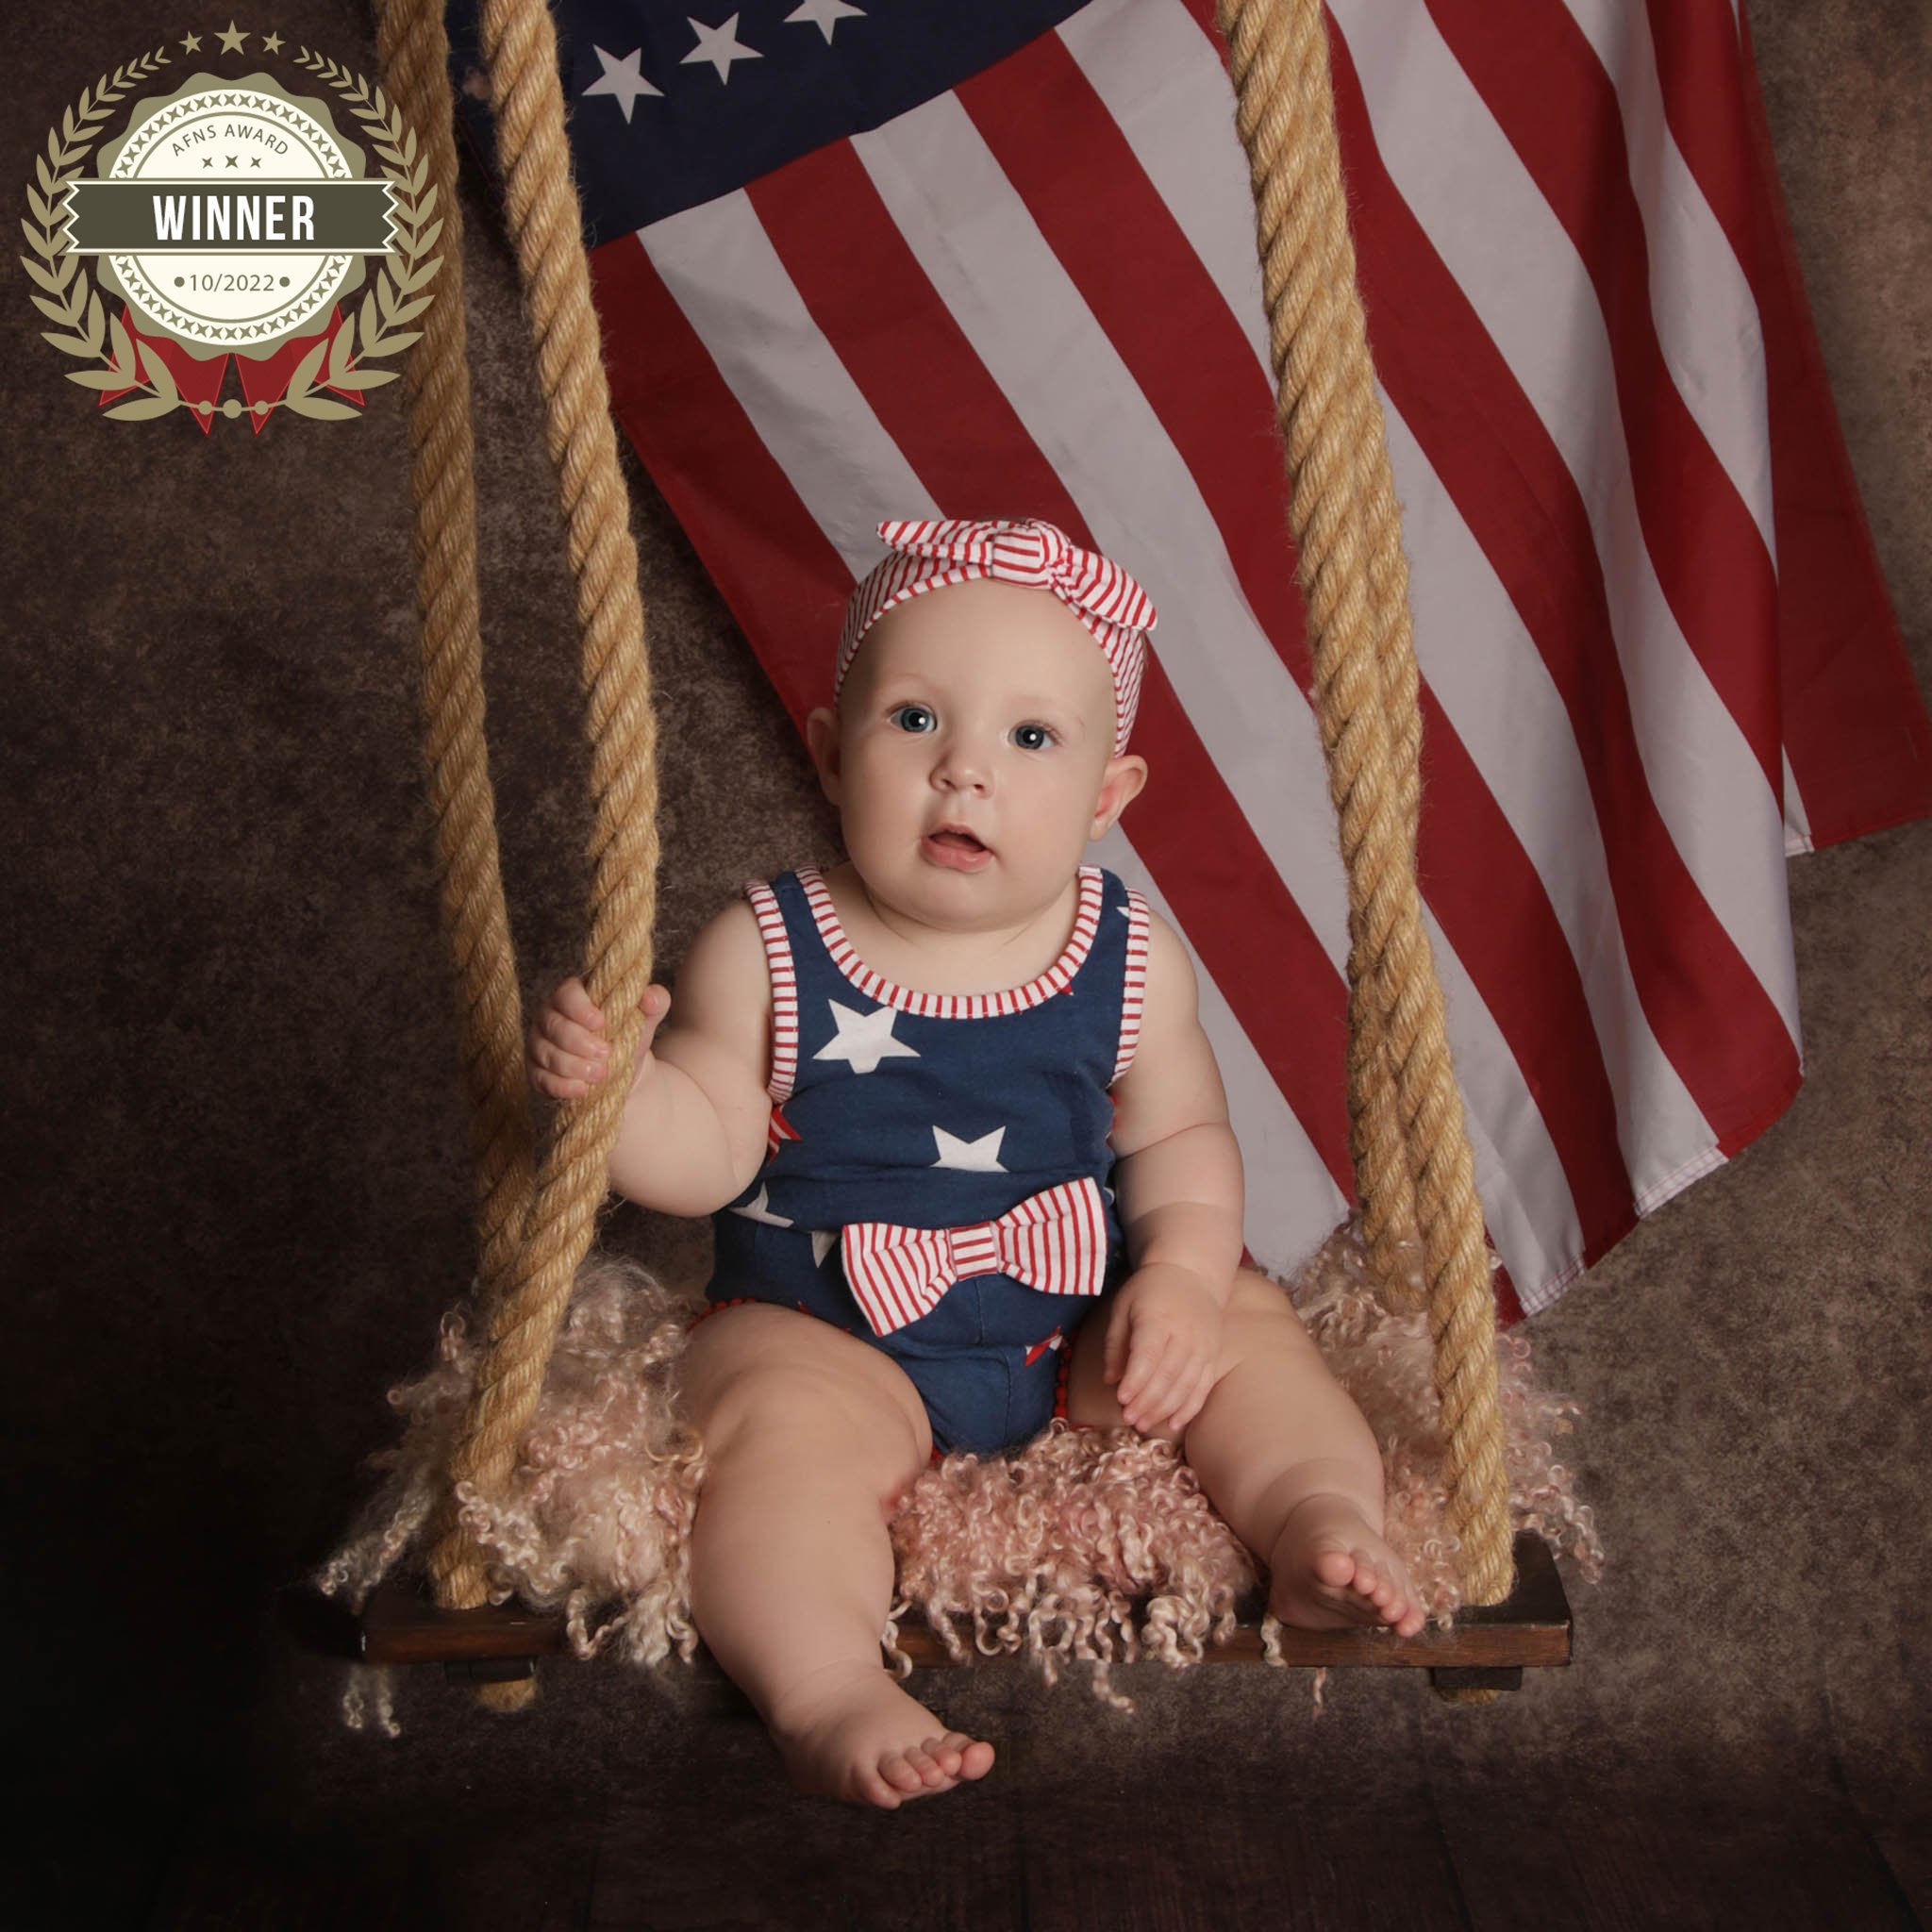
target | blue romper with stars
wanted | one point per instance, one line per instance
(938, 1166)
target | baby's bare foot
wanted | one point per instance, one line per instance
(1329, 1569)
(849, 1731)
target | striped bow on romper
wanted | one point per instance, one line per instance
(936, 1180)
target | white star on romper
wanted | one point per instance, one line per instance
(976, 1157)
(760, 1210)
(864, 1039)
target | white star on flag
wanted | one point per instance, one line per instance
(620, 80)
(824, 1239)
(823, 14)
(760, 1210)
(720, 45)
(864, 1039)
(976, 1157)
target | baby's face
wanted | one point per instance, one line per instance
(984, 705)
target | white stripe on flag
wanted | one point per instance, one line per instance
(1706, 314)
(1514, 262)
(1525, 1194)
(1292, 1202)
(721, 269)
(1507, 711)
(1797, 821)
(1158, 76)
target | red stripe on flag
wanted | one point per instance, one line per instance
(1066, 157)
(868, 294)
(960, 435)
(1083, 185)
(1557, 107)
(1711, 1016)
(1495, 914)
(1855, 725)
(769, 558)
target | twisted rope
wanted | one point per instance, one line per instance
(1411, 1145)
(413, 51)
(533, 1243)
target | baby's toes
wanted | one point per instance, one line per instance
(1336, 1567)
(975, 1754)
(1409, 1616)
(901, 1770)
(1376, 1583)
(1387, 1587)
(932, 1774)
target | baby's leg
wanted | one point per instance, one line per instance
(1286, 1460)
(812, 1438)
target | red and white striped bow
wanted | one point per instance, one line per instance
(1029, 551)
(1054, 1240)
(930, 552)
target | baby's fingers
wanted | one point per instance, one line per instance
(1196, 1397)
(1150, 1375)
(561, 1075)
(568, 1059)
(569, 1023)
(573, 1000)
(1173, 1398)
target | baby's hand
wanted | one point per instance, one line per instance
(567, 1054)
(1162, 1346)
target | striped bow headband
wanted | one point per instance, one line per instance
(1055, 1242)
(930, 553)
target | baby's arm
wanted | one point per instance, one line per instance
(694, 1125)
(1179, 1187)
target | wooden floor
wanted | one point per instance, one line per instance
(1087, 1864)
(1225, 1804)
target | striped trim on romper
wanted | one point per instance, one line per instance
(956, 1005)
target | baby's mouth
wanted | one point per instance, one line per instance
(955, 838)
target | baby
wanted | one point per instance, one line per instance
(969, 1154)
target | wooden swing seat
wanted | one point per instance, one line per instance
(1488, 1648)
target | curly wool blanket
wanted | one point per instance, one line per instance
(1085, 1545)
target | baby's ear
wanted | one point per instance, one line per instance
(1119, 787)
(821, 740)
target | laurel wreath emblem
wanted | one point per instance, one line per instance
(379, 328)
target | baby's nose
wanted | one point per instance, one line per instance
(962, 767)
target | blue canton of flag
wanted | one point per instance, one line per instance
(670, 111)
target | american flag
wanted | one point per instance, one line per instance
(868, 258)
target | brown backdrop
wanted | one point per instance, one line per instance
(237, 1203)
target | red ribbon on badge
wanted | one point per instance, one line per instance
(264, 378)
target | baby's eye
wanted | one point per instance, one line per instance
(908, 717)
(1034, 737)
